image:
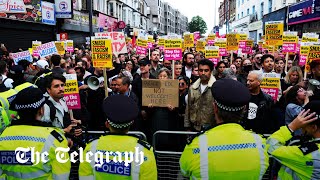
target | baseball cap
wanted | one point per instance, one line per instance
(43, 64)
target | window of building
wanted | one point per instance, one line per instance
(248, 11)
(111, 10)
(238, 16)
(242, 14)
(253, 9)
(239, 3)
(262, 8)
(270, 6)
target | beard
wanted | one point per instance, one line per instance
(191, 63)
(204, 78)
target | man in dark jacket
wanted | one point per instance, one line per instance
(260, 113)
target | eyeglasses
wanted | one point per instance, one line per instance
(181, 84)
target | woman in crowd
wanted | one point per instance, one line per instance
(296, 98)
(245, 68)
(219, 69)
(293, 77)
(233, 68)
(177, 69)
(163, 118)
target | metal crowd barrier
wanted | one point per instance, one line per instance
(168, 160)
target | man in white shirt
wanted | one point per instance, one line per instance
(3, 78)
(188, 61)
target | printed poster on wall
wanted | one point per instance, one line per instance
(47, 10)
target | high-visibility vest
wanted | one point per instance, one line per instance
(298, 161)
(4, 119)
(226, 151)
(42, 139)
(118, 170)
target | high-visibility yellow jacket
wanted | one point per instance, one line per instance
(112, 170)
(226, 151)
(42, 139)
(295, 164)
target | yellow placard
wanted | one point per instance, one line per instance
(270, 83)
(161, 42)
(188, 40)
(173, 43)
(308, 39)
(273, 33)
(211, 53)
(30, 50)
(201, 45)
(102, 53)
(150, 39)
(142, 42)
(71, 87)
(243, 37)
(60, 47)
(290, 39)
(313, 55)
(221, 44)
(232, 42)
(249, 43)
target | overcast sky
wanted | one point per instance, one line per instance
(204, 8)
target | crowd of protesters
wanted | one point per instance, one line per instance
(196, 76)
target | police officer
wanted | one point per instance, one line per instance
(30, 132)
(300, 160)
(226, 151)
(120, 112)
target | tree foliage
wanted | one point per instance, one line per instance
(197, 24)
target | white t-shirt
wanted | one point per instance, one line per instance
(203, 87)
(188, 72)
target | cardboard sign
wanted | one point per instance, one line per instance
(271, 84)
(47, 49)
(24, 55)
(71, 92)
(60, 47)
(232, 42)
(290, 40)
(69, 45)
(200, 45)
(188, 40)
(173, 49)
(119, 45)
(102, 53)
(160, 93)
(35, 44)
(273, 32)
(314, 55)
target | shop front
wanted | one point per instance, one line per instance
(304, 17)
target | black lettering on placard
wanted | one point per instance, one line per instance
(151, 84)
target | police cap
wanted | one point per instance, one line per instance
(230, 95)
(120, 110)
(314, 107)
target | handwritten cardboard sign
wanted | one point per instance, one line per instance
(119, 45)
(71, 92)
(101, 53)
(24, 55)
(160, 93)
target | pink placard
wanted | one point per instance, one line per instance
(302, 60)
(141, 50)
(70, 49)
(161, 48)
(298, 48)
(223, 52)
(73, 101)
(214, 60)
(196, 36)
(247, 50)
(289, 47)
(173, 54)
(210, 42)
(242, 44)
(273, 92)
(150, 45)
